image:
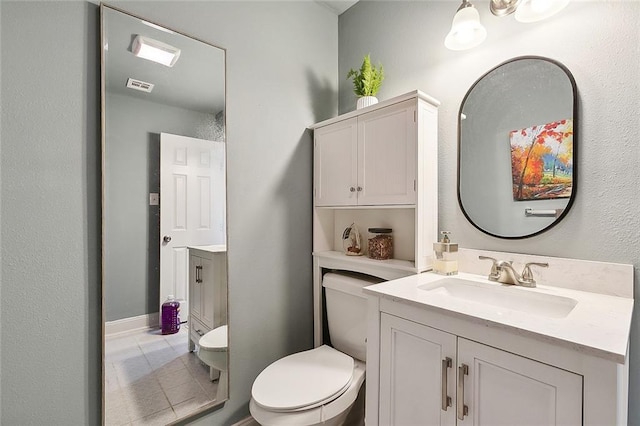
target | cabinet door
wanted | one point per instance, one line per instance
(505, 389)
(208, 275)
(413, 376)
(195, 287)
(335, 162)
(387, 155)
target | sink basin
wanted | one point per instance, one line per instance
(502, 297)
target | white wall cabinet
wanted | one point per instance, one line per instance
(431, 377)
(207, 284)
(368, 160)
(376, 167)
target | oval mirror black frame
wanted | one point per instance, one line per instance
(519, 117)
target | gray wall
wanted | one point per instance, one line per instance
(604, 58)
(132, 227)
(281, 63)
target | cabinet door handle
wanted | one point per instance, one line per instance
(447, 363)
(359, 188)
(352, 189)
(463, 410)
(198, 271)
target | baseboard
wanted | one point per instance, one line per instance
(127, 325)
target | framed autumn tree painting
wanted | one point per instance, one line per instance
(542, 161)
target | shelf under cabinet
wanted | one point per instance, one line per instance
(339, 260)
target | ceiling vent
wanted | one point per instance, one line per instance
(143, 86)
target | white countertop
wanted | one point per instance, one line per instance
(598, 325)
(219, 248)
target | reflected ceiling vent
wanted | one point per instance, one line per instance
(143, 86)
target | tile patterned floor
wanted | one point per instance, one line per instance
(151, 379)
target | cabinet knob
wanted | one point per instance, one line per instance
(359, 188)
(352, 189)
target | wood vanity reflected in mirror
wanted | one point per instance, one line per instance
(164, 222)
(517, 139)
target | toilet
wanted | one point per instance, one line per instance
(319, 386)
(212, 350)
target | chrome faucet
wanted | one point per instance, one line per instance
(502, 271)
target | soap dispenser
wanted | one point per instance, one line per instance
(445, 261)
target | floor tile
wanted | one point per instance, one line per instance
(183, 392)
(152, 379)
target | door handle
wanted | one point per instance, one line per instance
(166, 239)
(463, 410)
(446, 399)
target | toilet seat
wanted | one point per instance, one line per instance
(303, 380)
(331, 413)
(214, 340)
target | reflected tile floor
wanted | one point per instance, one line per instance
(151, 379)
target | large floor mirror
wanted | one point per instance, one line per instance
(164, 239)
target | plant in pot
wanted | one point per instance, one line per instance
(366, 82)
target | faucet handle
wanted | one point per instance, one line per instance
(494, 274)
(527, 275)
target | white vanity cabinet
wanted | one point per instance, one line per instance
(368, 160)
(376, 167)
(464, 350)
(207, 278)
(431, 377)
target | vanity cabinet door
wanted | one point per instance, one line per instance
(387, 155)
(335, 164)
(506, 389)
(207, 280)
(416, 380)
(195, 288)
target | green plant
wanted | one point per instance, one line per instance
(367, 80)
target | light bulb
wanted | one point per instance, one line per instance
(537, 10)
(466, 30)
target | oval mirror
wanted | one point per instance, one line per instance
(516, 148)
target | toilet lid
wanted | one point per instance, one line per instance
(303, 380)
(215, 339)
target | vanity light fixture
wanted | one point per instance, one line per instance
(466, 29)
(154, 50)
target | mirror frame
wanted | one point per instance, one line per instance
(576, 121)
(214, 405)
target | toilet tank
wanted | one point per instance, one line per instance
(347, 312)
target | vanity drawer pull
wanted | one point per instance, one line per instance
(447, 363)
(463, 410)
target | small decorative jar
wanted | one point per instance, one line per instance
(380, 243)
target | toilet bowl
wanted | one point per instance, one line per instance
(319, 386)
(212, 350)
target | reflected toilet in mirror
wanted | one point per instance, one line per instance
(164, 223)
(517, 139)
